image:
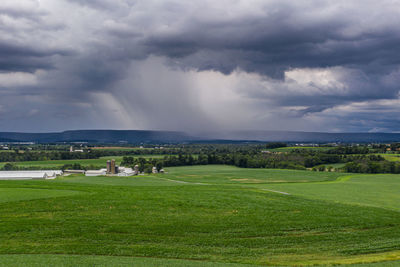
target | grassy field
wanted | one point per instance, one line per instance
(217, 174)
(17, 194)
(336, 165)
(390, 157)
(203, 216)
(364, 190)
(103, 261)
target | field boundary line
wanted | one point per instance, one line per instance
(182, 182)
(279, 192)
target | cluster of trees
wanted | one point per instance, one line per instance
(280, 161)
(322, 158)
(9, 167)
(346, 150)
(17, 155)
(145, 165)
(369, 166)
(299, 161)
(53, 155)
(275, 145)
(74, 166)
(13, 167)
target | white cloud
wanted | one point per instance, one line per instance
(16, 79)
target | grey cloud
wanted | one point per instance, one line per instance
(23, 9)
(21, 13)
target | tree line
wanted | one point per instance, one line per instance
(274, 160)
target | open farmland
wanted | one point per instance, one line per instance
(203, 216)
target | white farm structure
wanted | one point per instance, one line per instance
(100, 172)
(28, 175)
(126, 171)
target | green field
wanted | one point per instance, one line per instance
(202, 216)
(217, 174)
(336, 165)
(380, 190)
(390, 157)
(104, 261)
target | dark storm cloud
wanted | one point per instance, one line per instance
(104, 5)
(291, 60)
(271, 44)
(25, 57)
(25, 36)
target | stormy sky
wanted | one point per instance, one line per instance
(306, 65)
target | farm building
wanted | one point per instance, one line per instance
(27, 175)
(120, 171)
(52, 174)
(126, 171)
(96, 172)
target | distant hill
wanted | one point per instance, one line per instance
(308, 137)
(97, 136)
(6, 140)
(142, 136)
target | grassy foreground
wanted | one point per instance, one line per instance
(17, 194)
(201, 216)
